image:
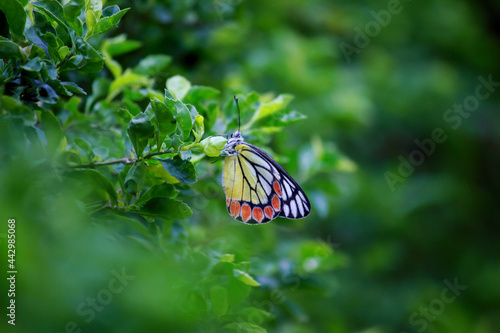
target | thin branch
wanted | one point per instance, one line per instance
(125, 160)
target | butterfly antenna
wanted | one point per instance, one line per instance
(238, 107)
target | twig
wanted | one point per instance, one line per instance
(125, 160)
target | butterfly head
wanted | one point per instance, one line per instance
(234, 141)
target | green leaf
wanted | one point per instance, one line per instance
(100, 88)
(72, 10)
(71, 86)
(165, 119)
(136, 176)
(16, 16)
(140, 130)
(166, 208)
(153, 65)
(181, 114)
(106, 23)
(218, 298)
(128, 78)
(93, 12)
(98, 179)
(277, 104)
(198, 93)
(181, 169)
(54, 10)
(213, 145)
(119, 45)
(179, 86)
(84, 145)
(8, 48)
(245, 278)
(157, 191)
(227, 258)
(198, 128)
(52, 129)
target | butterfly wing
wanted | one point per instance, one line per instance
(258, 189)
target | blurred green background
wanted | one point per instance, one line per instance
(382, 245)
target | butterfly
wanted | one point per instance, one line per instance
(257, 188)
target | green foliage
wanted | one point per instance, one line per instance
(111, 125)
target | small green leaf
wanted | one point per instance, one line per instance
(181, 169)
(213, 145)
(245, 278)
(84, 145)
(102, 182)
(140, 130)
(136, 176)
(72, 10)
(157, 191)
(119, 45)
(179, 86)
(106, 23)
(52, 129)
(218, 298)
(227, 258)
(166, 208)
(16, 16)
(128, 78)
(93, 12)
(277, 104)
(181, 114)
(198, 128)
(164, 117)
(153, 64)
(8, 48)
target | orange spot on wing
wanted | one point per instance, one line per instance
(276, 203)
(227, 202)
(269, 212)
(258, 215)
(233, 208)
(277, 187)
(245, 212)
(237, 210)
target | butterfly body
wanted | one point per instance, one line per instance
(257, 188)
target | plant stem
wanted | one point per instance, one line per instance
(125, 160)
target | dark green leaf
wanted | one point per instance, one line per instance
(8, 48)
(181, 169)
(99, 180)
(157, 191)
(140, 130)
(72, 10)
(136, 176)
(32, 35)
(52, 129)
(16, 16)
(164, 117)
(73, 87)
(54, 10)
(181, 114)
(166, 208)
